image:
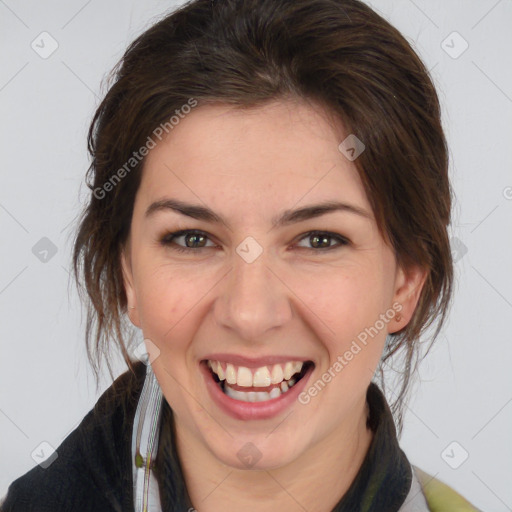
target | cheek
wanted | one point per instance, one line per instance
(346, 299)
(166, 299)
(344, 306)
(169, 304)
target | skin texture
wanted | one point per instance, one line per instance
(294, 299)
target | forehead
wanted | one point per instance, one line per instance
(248, 160)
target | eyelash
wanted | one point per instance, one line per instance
(167, 240)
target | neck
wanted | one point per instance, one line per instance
(316, 480)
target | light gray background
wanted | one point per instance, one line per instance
(46, 385)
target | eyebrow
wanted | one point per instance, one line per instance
(285, 218)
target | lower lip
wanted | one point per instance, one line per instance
(253, 410)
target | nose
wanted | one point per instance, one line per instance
(254, 300)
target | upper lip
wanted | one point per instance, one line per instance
(253, 362)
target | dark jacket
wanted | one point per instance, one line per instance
(93, 468)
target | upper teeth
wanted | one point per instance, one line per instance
(259, 377)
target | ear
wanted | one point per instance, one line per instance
(408, 285)
(131, 296)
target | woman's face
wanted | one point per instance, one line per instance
(256, 290)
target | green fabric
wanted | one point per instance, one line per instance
(440, 497)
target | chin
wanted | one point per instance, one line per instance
(261, 452)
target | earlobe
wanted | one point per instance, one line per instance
(408, 286)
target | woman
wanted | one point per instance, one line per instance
(269, 206)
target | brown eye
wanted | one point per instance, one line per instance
(192, 240)
(321, 240)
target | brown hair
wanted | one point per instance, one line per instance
(340, 55)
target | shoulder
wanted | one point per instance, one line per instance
(440, 497)
(92, 468)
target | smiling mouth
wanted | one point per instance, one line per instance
(257, 385)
